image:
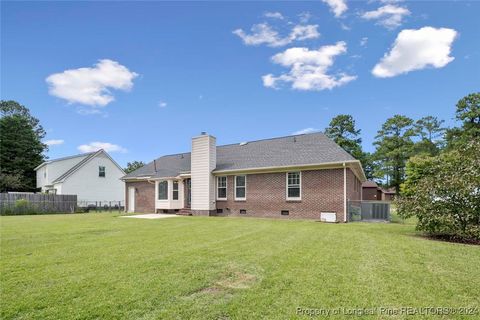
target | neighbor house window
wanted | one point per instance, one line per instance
(294, 185)
(163, 190)
(240, 187)
(175, 190)
(222, 188)
(101, 171)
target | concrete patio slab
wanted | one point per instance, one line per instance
(151, 216)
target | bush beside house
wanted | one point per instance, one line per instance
(443, 192)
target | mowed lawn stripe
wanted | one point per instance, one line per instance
(94, 266)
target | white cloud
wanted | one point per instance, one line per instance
(338, 7)
(415, 50)
(54, 142)
(162, 104)
(96, 145)
(309, 68)
(345, 27)
(263, 33)
(305, 16)
(363, 41)
(274, 15)
(91, 86)
(305, 131)
(390, 16)
(89, 111)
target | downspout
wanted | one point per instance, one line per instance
(344, 192)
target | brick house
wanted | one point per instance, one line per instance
(371, 191)
(300, 176)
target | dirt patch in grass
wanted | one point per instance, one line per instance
(229, 281)
(214, 291)
(237, 280)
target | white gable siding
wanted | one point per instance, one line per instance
(42, 177)
(204, 157)
(55, 170)
(88, 186)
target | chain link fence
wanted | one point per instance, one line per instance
(38, 203)
(366, 210)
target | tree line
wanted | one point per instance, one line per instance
(400, 138)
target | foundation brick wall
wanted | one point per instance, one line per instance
(144, 196)
(322, 191)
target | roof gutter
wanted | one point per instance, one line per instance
(41, 165)
(338, 164)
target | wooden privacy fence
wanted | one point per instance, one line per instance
(36, 203)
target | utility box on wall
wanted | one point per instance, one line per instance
(328, 217)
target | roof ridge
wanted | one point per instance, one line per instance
(274, 138)
(78, 165)
(250, 141)
(69, 157)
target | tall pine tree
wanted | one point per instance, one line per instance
(394, 147)
(342, 130)
(21, 148)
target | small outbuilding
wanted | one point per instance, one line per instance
(371, 191)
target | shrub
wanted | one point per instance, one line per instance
(23, 206)
(444, 194)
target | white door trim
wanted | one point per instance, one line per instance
(131, 199)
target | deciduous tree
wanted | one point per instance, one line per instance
(134, 165)
(443, 192)
(21, 148)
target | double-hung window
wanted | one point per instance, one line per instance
(175, 190)
(101, 171)
(294, 186)
(163, 190)
(240, 187)
(221, 188)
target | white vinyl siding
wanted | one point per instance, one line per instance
(174, 198)
(203, 162)
(88, 186)
(51, 171)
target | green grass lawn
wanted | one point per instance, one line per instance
(100, 266)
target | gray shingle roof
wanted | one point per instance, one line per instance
(305, 149)
(63, 158)
(369, 184)
(78, 165)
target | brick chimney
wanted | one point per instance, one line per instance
(204, 161)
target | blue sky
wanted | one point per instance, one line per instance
(173, 70)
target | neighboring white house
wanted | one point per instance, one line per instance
(91, 176)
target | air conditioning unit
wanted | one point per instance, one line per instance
(328, 217)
